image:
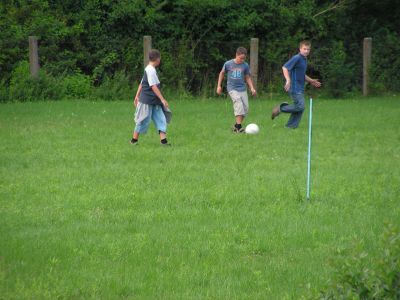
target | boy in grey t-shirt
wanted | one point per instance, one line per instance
(238, 75)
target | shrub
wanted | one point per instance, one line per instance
(25, 88)
(360, 275)
(76, 86)
(385, 62)
(4, 97)
(337, 72)
(117, 87)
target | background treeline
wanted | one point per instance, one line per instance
(94, 48)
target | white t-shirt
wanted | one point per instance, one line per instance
(149, 79)
(152, 77)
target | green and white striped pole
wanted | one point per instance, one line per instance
(309, 152)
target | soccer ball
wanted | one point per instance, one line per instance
(252, 129)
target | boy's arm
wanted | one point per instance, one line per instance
(139, 90)
(250, 83)
(313, 82)
(157, 91)
(220, 79)
(287, 77)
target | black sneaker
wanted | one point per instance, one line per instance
(134, 142)
(238, 130)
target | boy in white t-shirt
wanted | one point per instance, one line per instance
(150, 103)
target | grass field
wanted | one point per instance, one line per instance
(85, 215)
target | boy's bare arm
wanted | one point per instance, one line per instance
(139, 90)
(287, 77)
(220, 79)
(250, 83)
(313, 82)
(157, 91)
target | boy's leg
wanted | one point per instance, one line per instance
(135, 137)
(160, 121)
(296, 110)
(245, 103)
(292, 108)
(291, 123)
(277, 110)
(141, 128)
(239, 109)
(239, 119)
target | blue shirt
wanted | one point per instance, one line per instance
(297, 66)
(236, 75)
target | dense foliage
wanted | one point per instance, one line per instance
(360, 276)
(101, 39)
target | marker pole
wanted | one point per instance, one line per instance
(309, 152)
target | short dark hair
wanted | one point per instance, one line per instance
(154, 55)
(241, 50)
(305, 43)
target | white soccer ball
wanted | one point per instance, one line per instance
(252, 129)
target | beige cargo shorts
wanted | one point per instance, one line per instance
(240, 102)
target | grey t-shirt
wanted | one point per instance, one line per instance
(150, 78)
(236, 75)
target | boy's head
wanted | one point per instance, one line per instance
(241, 53)
(154, 57)
(305, 48)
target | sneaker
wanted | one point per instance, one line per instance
(277, 110)
(133, 142)
(238, 130)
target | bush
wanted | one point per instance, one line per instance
(385, 62)
(76, 86)
(25, 88)
(4, 91)
(196, 37)
(336, 71)
(362, 276)
(117, 87)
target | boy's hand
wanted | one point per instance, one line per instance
(165, 103)
(219, 90)
(136, 101)
(287, 85)
(253, 92)
(315, 83)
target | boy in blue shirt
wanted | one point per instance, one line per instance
(238, 75)
(150, 103)
(294, 72)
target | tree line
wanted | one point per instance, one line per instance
(95, 43)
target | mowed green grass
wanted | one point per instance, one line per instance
(85, 215)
